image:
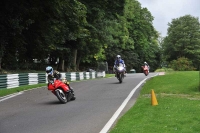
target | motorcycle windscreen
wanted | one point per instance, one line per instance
(121, 65)
(120, 68)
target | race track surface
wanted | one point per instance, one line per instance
(39, 111)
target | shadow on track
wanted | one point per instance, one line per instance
(53, 103)
(114, 83)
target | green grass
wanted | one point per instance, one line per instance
(4, 92)
(109, 75)
(164, 70)
(178, 109)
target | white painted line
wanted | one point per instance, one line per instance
(10, 96)
(119, 110)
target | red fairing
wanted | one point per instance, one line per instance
(145, 68)
(57, 84)
(51, 87)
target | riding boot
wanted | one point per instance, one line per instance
(125, 74)
(71, 89)
(115, 74)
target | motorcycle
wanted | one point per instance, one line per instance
(62, 91)
(145, 70)
(120, 72)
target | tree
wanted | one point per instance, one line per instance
(183, 39)
(142, 41)
(77, 31)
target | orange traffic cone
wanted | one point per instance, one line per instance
(153, 98)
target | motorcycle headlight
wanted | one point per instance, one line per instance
(120, 68)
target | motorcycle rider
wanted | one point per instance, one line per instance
(52, 74)
(116, 63)
(146, 64)
(55, 74)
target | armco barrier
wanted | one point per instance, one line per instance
(8, 81)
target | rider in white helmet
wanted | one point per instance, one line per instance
(116, 63)
(55, 74)
(52, 74)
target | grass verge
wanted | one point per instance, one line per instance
(4, 92)
(109, 75)
(178, 108)
(164, 70)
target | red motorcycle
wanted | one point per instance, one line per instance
(145, 70)
(62, 91)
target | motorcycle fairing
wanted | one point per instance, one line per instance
(145, 67)
(57, 84)
(120, 68)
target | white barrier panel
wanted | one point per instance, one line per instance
(12, 80)
(104, 74)
(93, 75)
(73, 76)
(46, 78)
(33, 78)
(81, 75)
(12, 76)
(13, 84)
(87, 75)
(63, 75)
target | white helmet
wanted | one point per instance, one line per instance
(49, 70)
(118, 57)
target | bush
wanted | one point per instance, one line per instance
(182, 64)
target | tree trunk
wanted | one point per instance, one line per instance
(63, 65)
(0, 62)
(78, 62)
(74, 59)
(1, 54)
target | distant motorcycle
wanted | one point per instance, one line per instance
(62, 91)
(120, 70)
(145, 70)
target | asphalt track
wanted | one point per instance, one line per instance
(99, 103)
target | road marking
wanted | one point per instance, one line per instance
(10, 96)
(119, 110)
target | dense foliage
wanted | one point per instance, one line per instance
(80, 33)
(181, 64)
(183, 40)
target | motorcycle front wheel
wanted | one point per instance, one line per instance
(61, 95)
(146, 73)
(120, 77)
